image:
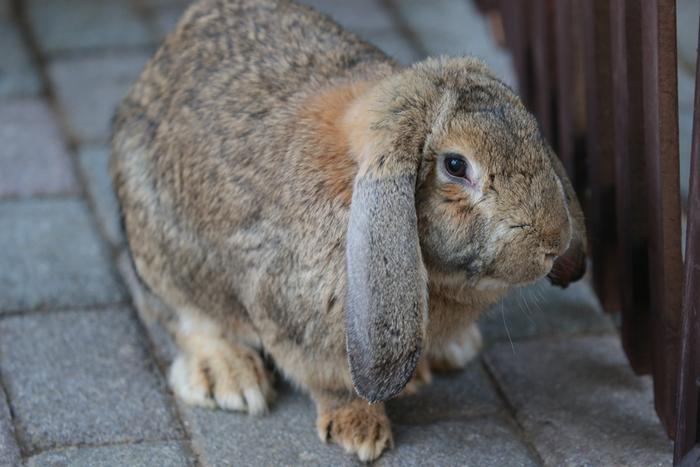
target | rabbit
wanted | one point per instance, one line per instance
(290, 192)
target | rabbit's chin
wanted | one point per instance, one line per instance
(491, 283)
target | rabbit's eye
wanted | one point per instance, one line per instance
(456, 166)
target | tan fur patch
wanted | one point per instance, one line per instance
(335, 155)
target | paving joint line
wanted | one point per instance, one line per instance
(61, 448)
(13, 421)
(510, 410)
(57, 196)
(162, 373)
(48, 309)
(101, 51)
(73, 144)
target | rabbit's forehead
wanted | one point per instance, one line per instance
(496, 139)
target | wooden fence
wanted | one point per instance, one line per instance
(601, 77)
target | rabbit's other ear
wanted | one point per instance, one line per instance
(387, 304)
(571, 266)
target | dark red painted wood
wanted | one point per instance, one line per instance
(630, 185)
(542, 67)
(600, 205)
(687, 435)
(516, 20)
(570, 110)
(661, 153)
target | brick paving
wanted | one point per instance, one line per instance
(82, 377)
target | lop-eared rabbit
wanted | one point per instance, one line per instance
(288, 190)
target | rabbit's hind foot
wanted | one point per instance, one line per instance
(214, 371)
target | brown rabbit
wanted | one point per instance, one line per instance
(287, 188)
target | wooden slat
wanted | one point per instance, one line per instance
(599, 146)
(515, 15)
(542, 67)
(563, 44)
(570, 114)
(687, 428)
(661, 152)
(630, 186)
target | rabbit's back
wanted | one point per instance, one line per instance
(209, 149)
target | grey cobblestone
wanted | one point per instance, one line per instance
(438, 417)
(18, 75)
(166, 17)
(451, 396)
(391, 43)
(51, 256)
(371, 21)
(9, 451)
(65, 25)
(286, 436)
(685, 141)
(33, 157)
(94, 163)
(365, 15)
(162, 3)
(167, 454)
(580, 402)
(5, 10)
(477, 442)
(688, 12)
(89, 89)
(544, 310)
(453, 27)
(82, 377)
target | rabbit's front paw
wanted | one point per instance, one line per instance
(456, 354)
(215, 372)
(358, 427)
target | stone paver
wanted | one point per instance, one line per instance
(475, 442)
(451, 396)
(393, 44)
(5, 10)
(166, 454)
(90, 88)
(33, 157)
(356, 15)
(9, 451)
(70, 25)
(18, 75)
(688, 12)
(82, 377)
(286, 436)
(544, 310)
(94, 163)
(454, 27)
(51, 256)
(580, 402)
(371, 21)
(166, 17)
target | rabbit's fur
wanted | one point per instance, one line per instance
(283, 188)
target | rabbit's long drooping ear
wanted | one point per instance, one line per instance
(387, 281)
(571, 266)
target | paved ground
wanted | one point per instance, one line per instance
(81, 377)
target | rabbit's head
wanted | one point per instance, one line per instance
(455, 179)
